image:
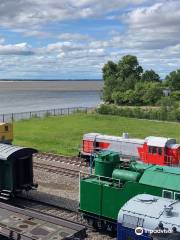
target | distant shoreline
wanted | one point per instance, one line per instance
(50, 80)
(51, 85)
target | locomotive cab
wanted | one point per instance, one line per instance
(160, 151)
(6, 132)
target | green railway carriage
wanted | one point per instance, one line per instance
(102, 197)
(16, 169)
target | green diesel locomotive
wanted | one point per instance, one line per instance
(115, 182)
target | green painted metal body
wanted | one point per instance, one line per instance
(125, 175)
(6, 173)
(16, 168)
(139, 167)
(105, 163)
(3, 237)
(16, 173)
(104, 197)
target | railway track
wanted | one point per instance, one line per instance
(62, 213)
(50, 209)
(71, 160)
(56, 169)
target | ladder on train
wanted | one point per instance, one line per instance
(5, 195)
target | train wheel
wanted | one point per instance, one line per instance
(103, 226)
(95, 225)
(112, 229)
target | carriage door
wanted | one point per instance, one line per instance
(23, 171)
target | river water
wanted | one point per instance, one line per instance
(29, 100)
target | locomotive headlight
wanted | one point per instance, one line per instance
(139, 231)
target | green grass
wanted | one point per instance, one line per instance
(63, 134)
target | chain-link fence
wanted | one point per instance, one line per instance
(10, 117)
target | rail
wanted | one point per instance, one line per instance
(35, 217)
(70, 160)
(57, 169)
(10, 117)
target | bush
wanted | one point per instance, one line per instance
(163, 113)
(176, 95)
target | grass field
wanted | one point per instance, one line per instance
(64, 134)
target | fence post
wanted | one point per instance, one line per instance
(3, 117)
(12, 117)
(68, 111)
(54, 112)
(30, 114)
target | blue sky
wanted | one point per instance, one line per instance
(70, 39)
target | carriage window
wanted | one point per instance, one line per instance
(177, 196)
(6, 128)
(160, 151)
(167, 194)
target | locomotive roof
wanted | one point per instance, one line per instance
(174, 146)
(4, 123)
(159, 141)
(153, 210)
(92, 136)
(162, 176)
(9, 152)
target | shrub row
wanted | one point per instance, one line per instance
(161, 113)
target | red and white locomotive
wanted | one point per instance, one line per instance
(153, 150)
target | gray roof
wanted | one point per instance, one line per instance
(9, 152)
(159, 141)
(152, 210)
(92, 136)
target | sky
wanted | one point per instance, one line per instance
(73, 39)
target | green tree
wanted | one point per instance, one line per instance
(110, 80)
(150, 76)
(126, 84)
(173, 80)
(176, 95)
(128, 72)
(152, 93)
(118, 97)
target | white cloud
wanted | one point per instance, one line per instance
(74, 37)
(156, 26)
(34, 13)
(16, 49)
(151, 32)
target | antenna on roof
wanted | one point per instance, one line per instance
(125, 135)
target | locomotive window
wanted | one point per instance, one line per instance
(154, 150)
(130, 221)
(150, 150)
(6, 128)
(177, 196)
(97, 146)
(167, 194)
(160, 151)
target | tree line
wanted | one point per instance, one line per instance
(126, 83)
